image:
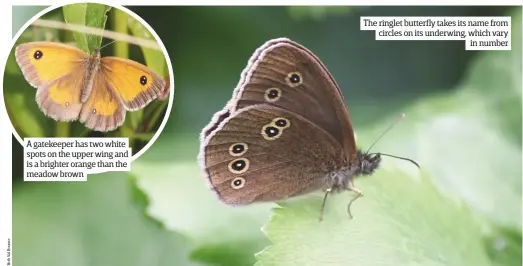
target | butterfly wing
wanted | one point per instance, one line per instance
(252, 156)
(285, 74)
(134, 83)
(45, 62)
(216, 120)
(57, 71)
(103, 111)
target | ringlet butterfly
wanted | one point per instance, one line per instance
(285, 132)
(97, 91)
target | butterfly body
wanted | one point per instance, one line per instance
(91, 71)
(97, 91)
(341, 180)
(285, 132)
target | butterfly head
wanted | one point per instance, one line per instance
(96, 54)
(367, 163)
(96, 51)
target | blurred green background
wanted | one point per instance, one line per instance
(463, 127)
(139, 126)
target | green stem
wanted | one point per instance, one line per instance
(62, 129)
(119, 22)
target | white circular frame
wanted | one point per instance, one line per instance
(139, 19)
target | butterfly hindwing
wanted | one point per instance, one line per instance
(262, 172)
(103, 110)
(60, 99)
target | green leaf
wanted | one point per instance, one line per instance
(450, 137)
(504, 247)
(400, 220)
(98, 222)
(88, 14)
(228, 253)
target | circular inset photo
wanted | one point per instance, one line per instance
(88, 70)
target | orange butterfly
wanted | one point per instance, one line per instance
(97, 91)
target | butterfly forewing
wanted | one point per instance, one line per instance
(283, 73)
(134, 83)
(45, 62)
(57, 71)
(254, 155)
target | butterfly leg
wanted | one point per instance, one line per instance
(358, 194)
(327, 191)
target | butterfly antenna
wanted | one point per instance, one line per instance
(107, 44)
(398, 119)
(398, 157)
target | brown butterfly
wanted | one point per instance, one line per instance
(285, 132)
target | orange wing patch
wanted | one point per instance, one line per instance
(67, 91)
(103, 110)
(134, 83)
(61, 99)
(44, 62)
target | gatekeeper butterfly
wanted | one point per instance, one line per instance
(73, 85)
